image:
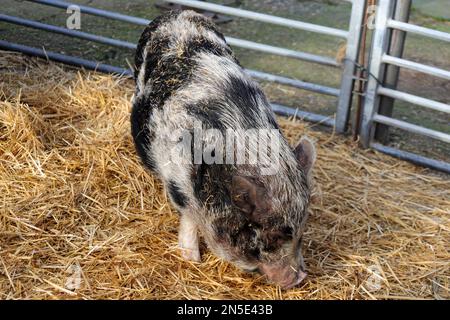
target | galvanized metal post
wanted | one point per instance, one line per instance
(351, 57)
(379, 48)
(402, 12)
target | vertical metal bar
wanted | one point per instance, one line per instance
(351, 56)
(380, 43)
(360, 84)
(402, 12)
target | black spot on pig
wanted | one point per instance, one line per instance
(245, 95)
(208, 112)
(142, 135)
(206, 23)
(274, 238)
(165, 75)
(213, 179)
(201, 44)
(167, 72)
(177, 196)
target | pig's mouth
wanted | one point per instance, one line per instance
(286, 277)
(299, 279)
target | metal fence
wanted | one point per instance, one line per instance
(380, 60)
(374, 90)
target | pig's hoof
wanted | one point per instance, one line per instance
(190, 254)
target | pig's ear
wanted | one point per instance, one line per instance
(249, 197)
(305, 152)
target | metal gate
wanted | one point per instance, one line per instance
(380, 60)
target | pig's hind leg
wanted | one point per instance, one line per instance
(188, 238)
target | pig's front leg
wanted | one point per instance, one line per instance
(188, 238)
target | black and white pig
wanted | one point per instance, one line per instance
(186, 74)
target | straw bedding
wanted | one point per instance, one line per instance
(81, 219)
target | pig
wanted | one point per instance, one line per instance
(185, 73)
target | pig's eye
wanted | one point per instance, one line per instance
(275, 237)
(287, 232)
(253, 225)
(274, 240)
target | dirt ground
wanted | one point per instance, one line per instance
(433, 14)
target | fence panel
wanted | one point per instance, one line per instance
(375, 89)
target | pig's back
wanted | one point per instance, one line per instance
(185, 72)
(183, 54)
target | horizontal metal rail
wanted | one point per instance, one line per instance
(412, 128)
(262, 17)
(94, 11)
(327, 61)
(303, 115)
(416, 66)
(412, 157)
(241, 43)
(74, 61)
(427, 103)
(294, 83)
(105, 68)
(65, 31)
(411, 28)
(92, 37)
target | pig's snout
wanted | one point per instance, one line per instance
(284, 275)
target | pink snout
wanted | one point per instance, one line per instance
(284, 275)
